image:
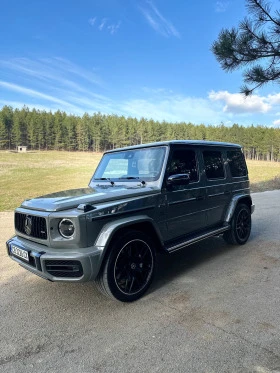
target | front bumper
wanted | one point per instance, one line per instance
(58, 264)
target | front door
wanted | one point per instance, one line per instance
(185, 210)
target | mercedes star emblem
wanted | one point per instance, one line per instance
(28, 225)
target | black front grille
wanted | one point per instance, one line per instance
(33, 226)
(64, 268)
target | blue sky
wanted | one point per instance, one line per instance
(137, 58)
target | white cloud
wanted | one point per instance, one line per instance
(113, 28)
(58, 84)
(75, 104)
(274, 99)
(276, 122)
(53, 84)
(51, 69)
(222, 106)
(102, 24)
(34, 93)
(221, 6)
(66, 66)
(237, 103)
(162, 105)
(92, 21)
(157, 21)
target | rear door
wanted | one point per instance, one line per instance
(218, 191)
(238, 170)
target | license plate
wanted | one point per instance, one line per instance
(20, 253)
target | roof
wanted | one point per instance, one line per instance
(179, 142)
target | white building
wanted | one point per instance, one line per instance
(21, 149)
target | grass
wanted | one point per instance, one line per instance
(29, 175)
(264, 175)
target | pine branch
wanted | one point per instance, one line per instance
(257, 39)
(260, 8)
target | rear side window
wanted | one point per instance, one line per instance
(184, 162)
(214, 166)
(236, 163)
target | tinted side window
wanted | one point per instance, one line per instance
(236, 163)
(184, 162)
(214, 167)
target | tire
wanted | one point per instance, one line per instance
(129, 267)
(240, 226)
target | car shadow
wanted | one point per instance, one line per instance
(171, 266)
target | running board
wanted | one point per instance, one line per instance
(210, 233)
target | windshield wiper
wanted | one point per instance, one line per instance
(105, 179)
(129, 178)
(132, 178)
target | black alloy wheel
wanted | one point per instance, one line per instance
(129, 268)
(133, 266)
(243, 225)
(240, 226)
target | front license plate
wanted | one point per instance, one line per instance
(20, 253)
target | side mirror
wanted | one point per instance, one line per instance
(178, 179)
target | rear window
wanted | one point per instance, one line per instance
(214, 166)
(236, 163)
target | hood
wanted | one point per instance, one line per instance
(73, 198)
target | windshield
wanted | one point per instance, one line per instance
(143, 164)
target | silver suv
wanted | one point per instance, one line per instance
(141, 200)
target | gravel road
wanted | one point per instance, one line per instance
(212, 308)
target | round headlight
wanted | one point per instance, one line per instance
(66, 228)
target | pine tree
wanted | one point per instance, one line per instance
(4, 138)
(7, 120)
(255, 42)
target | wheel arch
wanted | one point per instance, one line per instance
(246, 199)
(143, 224)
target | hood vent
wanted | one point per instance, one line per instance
(86, 207)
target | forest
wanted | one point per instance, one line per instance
(42, 130)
